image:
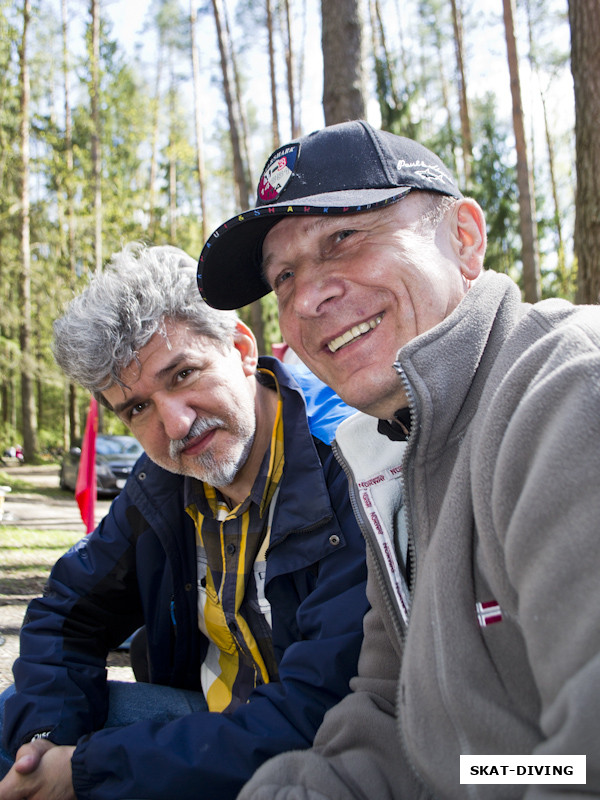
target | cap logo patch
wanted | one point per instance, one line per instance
(429, 173)
(277, 173)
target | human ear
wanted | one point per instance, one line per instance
(245, 343)
(469, 237)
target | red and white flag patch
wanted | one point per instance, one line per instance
(488, 613)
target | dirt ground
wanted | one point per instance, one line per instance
(31, 510)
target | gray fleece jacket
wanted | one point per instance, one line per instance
(490, 642)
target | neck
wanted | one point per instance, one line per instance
(265, 404)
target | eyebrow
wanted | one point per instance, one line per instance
(162, 373)
(121, 407)
(314, 223)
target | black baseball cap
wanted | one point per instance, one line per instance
(340, 169)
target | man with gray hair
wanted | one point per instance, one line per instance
(233, 544)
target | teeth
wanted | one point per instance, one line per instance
(353, 333)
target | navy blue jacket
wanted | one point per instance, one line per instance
(139, 567)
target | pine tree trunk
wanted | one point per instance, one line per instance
(71, 417)
(289, 68)
(465, 122)
(343, 89)
(198, 123)
(562, 274)
(173, 123)
(239, 105)
(96, 133)
(242, 184)
(584, 18)
(530, 255)
(239, 173)
(156, 104)
(379, 40)
(274, 109)
(28, 414)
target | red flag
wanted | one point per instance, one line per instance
(85, 488)
(278, 349)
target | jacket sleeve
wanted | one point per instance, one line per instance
(60, 674)
(540, 494)
(215, 754)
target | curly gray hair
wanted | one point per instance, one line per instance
(105, 327)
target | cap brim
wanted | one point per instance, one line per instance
(230, 265)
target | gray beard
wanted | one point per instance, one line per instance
(204, 466)
(222, 474)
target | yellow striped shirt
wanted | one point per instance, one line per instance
(232, 609)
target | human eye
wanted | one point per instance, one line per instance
(281, 278)
(136, 410)
(182, 374)
(345, 233)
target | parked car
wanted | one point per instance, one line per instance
(115, 457)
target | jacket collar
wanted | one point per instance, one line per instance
(445, 368)
(304, 501)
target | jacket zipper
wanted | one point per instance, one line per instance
(411, 554)
(367, 533)
(407, 490)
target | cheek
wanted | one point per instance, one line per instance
(289, 328)
(154, 445)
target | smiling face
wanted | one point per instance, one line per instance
(353, 289)
(191, 403)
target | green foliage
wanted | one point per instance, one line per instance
(271, 321)
(113, 425)
(413, 80)
(9, 437)
(270, 318)
(395, 109)
(494, 187)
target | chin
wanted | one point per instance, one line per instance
(376, 402)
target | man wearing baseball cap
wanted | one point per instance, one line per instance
(474, 476)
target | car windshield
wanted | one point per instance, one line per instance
(118, 445)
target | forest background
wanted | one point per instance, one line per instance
(150, 120)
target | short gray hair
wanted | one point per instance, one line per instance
(106, 326)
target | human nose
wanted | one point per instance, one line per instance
(314, 290)
(176, 416)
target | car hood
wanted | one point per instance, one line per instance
(124, 458)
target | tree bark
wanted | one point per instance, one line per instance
(530, 255)
(343, 89)
(239, 173)
(289, 67)
(562, 274)
(156, 105)
(173, 123)
(465, 122)
(379, 41)
(28, 413)
(198, 123)
(242, 183)
(239, 104)
(72, 431)
(584, 18)
(274, 109)
(96, 132)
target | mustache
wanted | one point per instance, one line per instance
(199, 427)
